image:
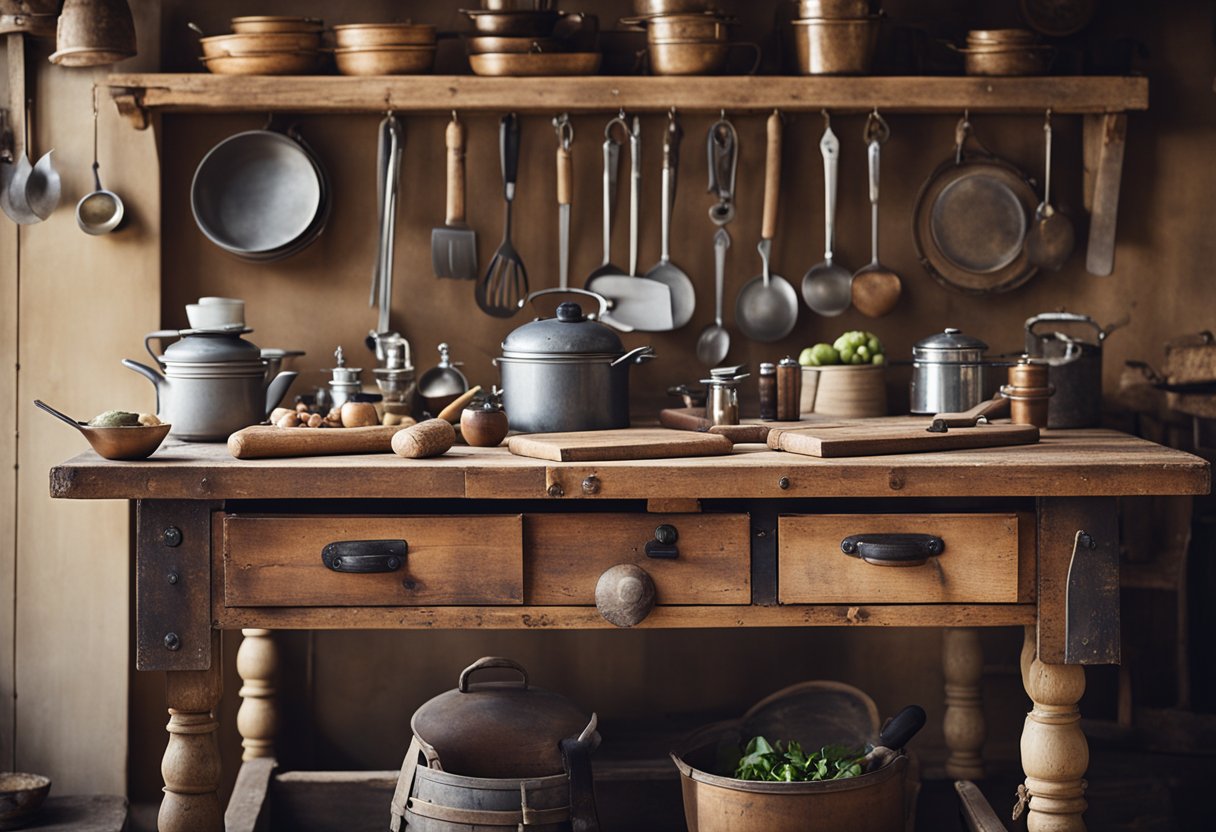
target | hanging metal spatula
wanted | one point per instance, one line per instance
(505, 283)
(454, 244)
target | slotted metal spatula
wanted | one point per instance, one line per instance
(505, 283)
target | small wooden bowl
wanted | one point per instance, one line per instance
(218, 46)
(21, 796)
(266, 63)
(275, 23)
(353, 35)
(385, 60)
(849, 391)
(135, 442)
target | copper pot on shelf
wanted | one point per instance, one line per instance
(825, 46)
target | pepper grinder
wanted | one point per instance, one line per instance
(344, 381)
(768, 392)
(396, 377)
(789, 389)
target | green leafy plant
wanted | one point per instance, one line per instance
(791, 764)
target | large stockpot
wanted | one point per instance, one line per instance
(214, 382)
(567, 373)
(497, 755)
(949, 373)
(1074, 367)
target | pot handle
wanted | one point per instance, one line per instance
(160, 334)
(1061, 318)
(485, 663)
(600, 299)
(637, 355)
(576, 757)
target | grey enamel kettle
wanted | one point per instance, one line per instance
(214, 382)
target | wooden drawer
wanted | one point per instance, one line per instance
(276, 561)
(567, 553)
(979, 563)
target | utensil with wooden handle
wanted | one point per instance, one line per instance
(454, 244)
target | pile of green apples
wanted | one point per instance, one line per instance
(853, 347)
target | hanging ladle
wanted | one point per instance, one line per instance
(827, 287)
(101, 211)
(13, 197)
(43, 188)
(1051, 239)
(876, 289)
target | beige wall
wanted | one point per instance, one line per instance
(85, 303)
(65, 656)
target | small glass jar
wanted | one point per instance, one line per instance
(768, 392)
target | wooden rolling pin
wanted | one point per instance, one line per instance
(268, 441)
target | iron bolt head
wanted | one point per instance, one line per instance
(555, 490)
(172, 578)
(666, 534)
(172, 642)
(783, 483)
(591, 485)
(1086, 539)
(172, 536)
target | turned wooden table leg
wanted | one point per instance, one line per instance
(257, 662)
(191, 765)
(1055, 753)
(963, 666)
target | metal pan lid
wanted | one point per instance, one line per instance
(568, 334)
(949, 344)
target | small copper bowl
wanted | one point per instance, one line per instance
(835, 47)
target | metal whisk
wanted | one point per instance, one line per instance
(503, 287)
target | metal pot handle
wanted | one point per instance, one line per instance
(1061, 318)
(576, 759)
(603, 301)
(485, 663)
(159, 335)
(637, 355)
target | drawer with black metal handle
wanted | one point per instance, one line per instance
(339, 561)
(905, 558)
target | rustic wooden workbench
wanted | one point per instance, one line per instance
(1030, 539)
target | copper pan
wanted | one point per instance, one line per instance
(535, 63)
(385, 60)
(384, 34)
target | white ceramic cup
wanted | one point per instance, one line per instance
(215, 312)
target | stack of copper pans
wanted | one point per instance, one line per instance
(385, 48)
(529, 37)
(266, 45)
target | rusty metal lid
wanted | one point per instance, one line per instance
(498, 729)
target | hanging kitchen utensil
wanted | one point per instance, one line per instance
(43, 187)
(969, 224)
(827, 287)
(1051, 239)
(1100, 251)
(565, 196)
(722, 143)
(94, 33)
(391, 131)
(683, 294)
(261, 195)
(876, 289)
(505, 284)
(13, 200)
(101, 211)
(636, 303)
(766, 308)
(454, 244)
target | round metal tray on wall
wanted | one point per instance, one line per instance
(971, 219)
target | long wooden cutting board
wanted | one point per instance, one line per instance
(268, 441)
(605, 445)
(872, 440)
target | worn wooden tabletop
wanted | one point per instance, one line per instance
(1064, 463)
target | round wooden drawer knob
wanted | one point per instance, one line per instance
(624, 594)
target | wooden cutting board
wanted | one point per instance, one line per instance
(872, 440)
(268, 441)
(632, 443)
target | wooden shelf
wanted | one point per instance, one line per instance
(137, 94)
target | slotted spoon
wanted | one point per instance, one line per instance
(503, 287)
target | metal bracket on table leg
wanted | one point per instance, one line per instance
(1091, 626)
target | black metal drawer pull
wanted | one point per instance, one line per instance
(365, 555)
(893, 549)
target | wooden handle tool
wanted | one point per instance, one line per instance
(772, 177)
(454, 136)
(451, 413)
(268, 441)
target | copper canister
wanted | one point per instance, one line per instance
(1028, 392)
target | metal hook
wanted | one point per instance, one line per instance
(1047, 120)
(827, 120)
(454, 118)
(671, 113)
(565, 130)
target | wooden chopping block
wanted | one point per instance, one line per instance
(693, 418)
(268, 441)
(630, 443)
(874, 440)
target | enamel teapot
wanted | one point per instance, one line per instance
(214, 382)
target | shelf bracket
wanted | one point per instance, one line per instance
(130, 103)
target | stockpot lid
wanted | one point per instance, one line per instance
(569, 333)
(212, 346)
(498, 729)
(949, 345)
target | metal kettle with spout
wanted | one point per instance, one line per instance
(211, 382)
